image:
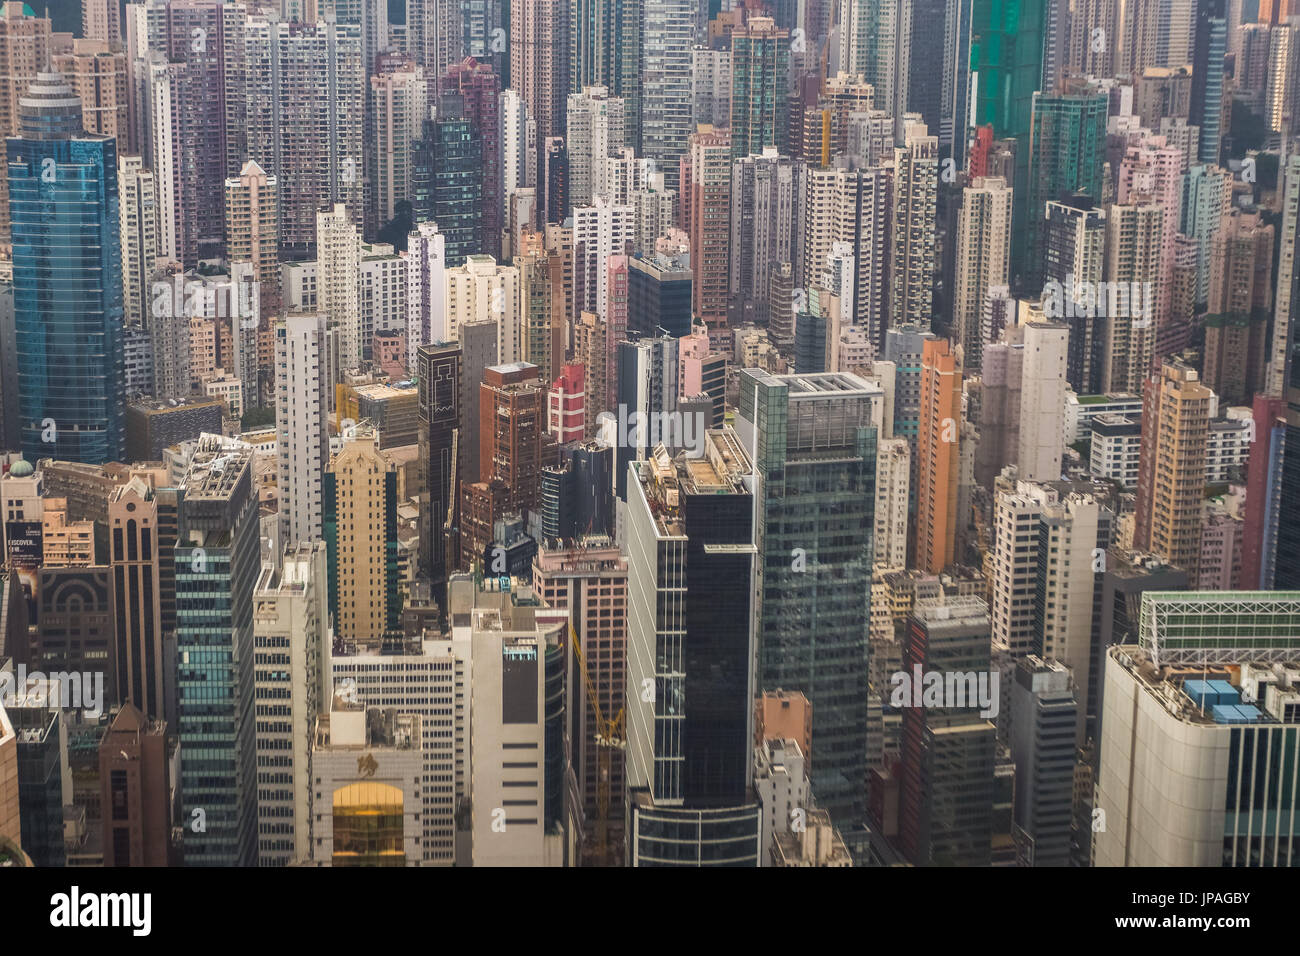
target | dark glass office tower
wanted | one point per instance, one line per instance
(217, 562)
(946, 753)
(1074, 237)
(690, 659)
(1209, 46)
(578, 494)
(659, 295)
(67, 263)
(648, 388)
(814, 452)
(447, 178)
(1043, 715)
(438, 370)
(41, 760)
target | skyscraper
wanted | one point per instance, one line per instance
(813, 446)
(217, 558)
(67, 257)
(916, 186)
(690, 660)
(1239, 305)
(1065, 155)
(647, 386)
(605, 50)
(479, 89)
(1176, 413)
(667, 33)
(399, 106)
(1006, 58)
(539, 70)
(765, 195)
(359, 521)
(588, 580)
(760, 64)
(302, 95)
(595, 132)
(1209, 45)
(338, 259)
(1043, 715)
(876, 41)
(143, 562)
(1074, 242)
(438, 369)
(938, 435)
(447, 179)
(304, 350)
(983, 258)
(252, 231)
(705, 191)
(133, 778)
(947, 752)
(1042, 401)
(1134, 256)
(292, 681)
(139, 236)
(24, 51)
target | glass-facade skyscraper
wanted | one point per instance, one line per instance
(67, 260)
(217, 561)
(1006, 64)
(1066, 159)
(813, 443)
(447, 179)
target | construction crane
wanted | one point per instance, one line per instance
(609, 736)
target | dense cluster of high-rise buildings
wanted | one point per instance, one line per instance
(650, 433)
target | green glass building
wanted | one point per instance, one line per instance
(1006, 64)
(1067, 157)
(813, 445)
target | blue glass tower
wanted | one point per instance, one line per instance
(67, 280)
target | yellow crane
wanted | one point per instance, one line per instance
(609, 736)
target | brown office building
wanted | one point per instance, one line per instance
(133, 787)
(512, 419)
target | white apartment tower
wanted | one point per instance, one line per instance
(426, 289)
(1042, 400)
(601, 230)
(983, 258)
(893, 469)
(138, 205)
(338, 262)
(483, 289)
(303, 346)
(595, 132)
(292, 685)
